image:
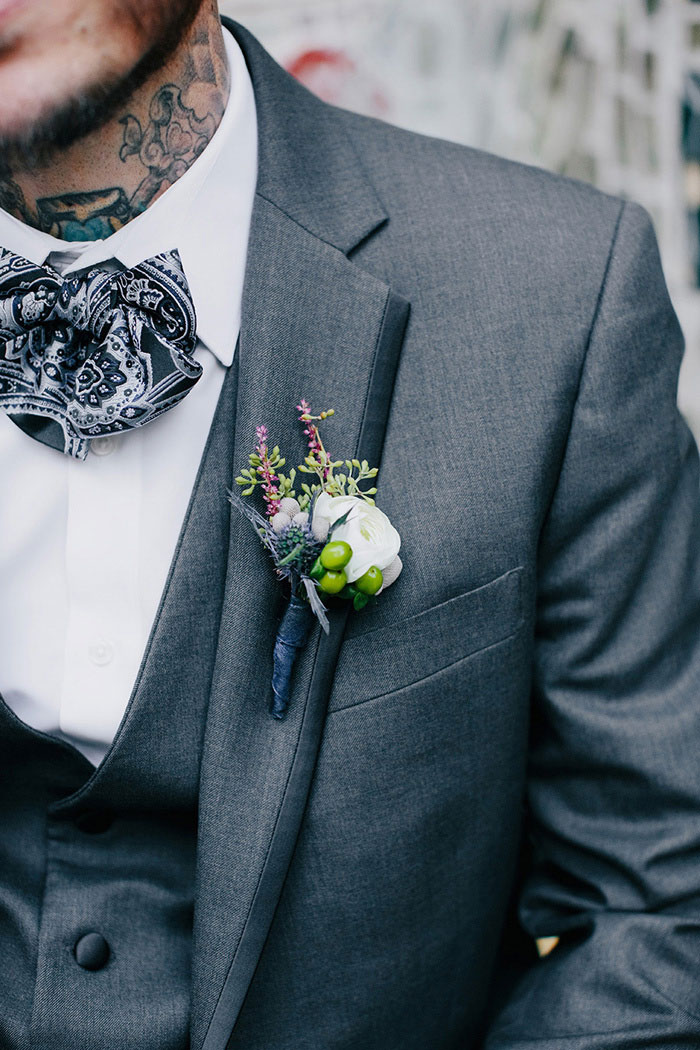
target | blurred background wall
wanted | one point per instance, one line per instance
(604, 90)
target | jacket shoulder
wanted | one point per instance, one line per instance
(435, 178)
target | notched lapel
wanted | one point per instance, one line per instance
(314, 326)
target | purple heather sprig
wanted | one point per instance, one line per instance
(266, 474)
(318, 459)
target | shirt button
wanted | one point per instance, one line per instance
(103, 446)
(91, 951)
(101, 653)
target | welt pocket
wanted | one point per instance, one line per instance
(392, 657)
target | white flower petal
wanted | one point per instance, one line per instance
(369, 533)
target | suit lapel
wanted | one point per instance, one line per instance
(314, 326)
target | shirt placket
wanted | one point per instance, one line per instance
(104, 619)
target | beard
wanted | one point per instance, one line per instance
(91, 107)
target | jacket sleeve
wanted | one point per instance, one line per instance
(614, 774)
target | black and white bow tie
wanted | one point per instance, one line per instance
(93, 354)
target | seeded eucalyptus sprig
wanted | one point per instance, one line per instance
(265, 470)
(327, 470)
(349, 484)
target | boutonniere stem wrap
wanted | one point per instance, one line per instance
(326, 537)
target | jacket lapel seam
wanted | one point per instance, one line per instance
(324, 240)
(273, 835)
(370, 385)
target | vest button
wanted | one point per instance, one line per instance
(94, 822)
(91, 951)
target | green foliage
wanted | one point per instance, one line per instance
(250, 480)
(253, 475)
(349, 483)
(320, 464)
(286, 484)
(307, 494)
(336, 483)
(350, 477)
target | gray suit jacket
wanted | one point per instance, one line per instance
(519, 717)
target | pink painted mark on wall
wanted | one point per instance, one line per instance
(334, 76)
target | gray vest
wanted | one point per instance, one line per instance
(97, 868)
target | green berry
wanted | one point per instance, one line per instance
(317, 571)
(332, 582)
(371, 582)
(336, 555)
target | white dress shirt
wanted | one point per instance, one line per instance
(85, 547)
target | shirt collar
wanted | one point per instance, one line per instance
(206, 215)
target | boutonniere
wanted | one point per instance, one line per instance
(327, 538)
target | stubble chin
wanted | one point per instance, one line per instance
(58, 86)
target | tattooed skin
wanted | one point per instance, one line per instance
(169, 144)
(171, 140)
(12, 199)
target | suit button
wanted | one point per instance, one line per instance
(91, 951)
(94, 822)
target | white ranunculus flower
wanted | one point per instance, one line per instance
(368, 531)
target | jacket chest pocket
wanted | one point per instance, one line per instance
(381, 661)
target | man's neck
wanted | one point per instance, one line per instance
(112, 175)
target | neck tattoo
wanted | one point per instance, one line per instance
(164, 146)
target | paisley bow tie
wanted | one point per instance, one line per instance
(93, 354)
